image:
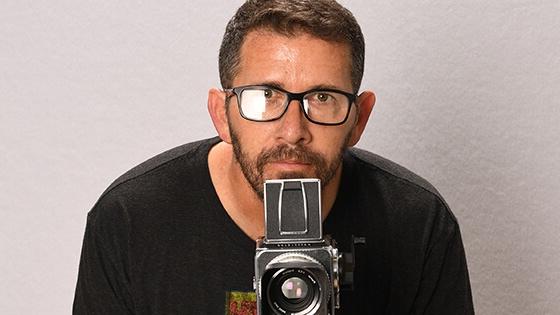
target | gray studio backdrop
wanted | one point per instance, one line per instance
(468, 97)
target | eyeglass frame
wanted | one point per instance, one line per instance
(237, 91)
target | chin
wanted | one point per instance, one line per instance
(289, 175)
(300, 172)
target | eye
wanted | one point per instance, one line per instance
(322, 97)
(268, 93)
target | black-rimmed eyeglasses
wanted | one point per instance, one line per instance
(265, 103)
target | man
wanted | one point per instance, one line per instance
(177, 233)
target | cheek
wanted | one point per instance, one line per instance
(253, 137)
(331, 139)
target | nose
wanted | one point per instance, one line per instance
(294, 127)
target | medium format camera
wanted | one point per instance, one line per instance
(297, 270)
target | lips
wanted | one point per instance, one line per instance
(285, 159)
(290, 162)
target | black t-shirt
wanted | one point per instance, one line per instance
(159, 241)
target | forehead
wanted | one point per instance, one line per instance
(293, 61)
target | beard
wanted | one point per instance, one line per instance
(253, 169)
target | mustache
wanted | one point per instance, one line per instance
(285, 152)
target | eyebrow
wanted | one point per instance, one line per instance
(278, 85)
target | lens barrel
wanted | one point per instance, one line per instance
(293, 291)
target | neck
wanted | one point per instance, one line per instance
(240, 201)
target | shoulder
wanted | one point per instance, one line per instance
(193, 153)
(156, 180)
(390, 169)
(400, 190)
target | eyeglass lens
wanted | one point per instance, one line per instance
(264, 104)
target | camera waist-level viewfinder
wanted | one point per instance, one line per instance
(297, 270)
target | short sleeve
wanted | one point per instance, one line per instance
(103, 285)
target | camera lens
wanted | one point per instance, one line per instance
(293, 291)
(294, 288)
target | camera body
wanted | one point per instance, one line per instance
(296, 268)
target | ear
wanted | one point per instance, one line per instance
(364, 106)
(217, 110)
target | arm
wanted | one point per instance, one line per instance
(103, 285)
(445, 286)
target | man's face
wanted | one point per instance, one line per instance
(291, 147)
